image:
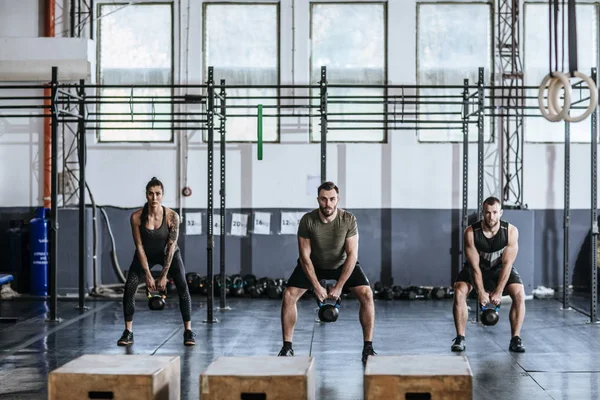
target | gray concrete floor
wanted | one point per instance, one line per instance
(561, 361)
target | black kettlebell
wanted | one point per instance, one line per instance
(156, 302)
(329, 312)
(489, 314)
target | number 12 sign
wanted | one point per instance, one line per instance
(290, 221)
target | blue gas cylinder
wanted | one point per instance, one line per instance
(40, 257)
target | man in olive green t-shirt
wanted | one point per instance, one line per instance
(328, 247)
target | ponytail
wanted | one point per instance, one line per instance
(144, 217)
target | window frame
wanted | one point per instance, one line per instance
(174, 36)
(277, 5)
(596, 6)
(487, 76)
(385, 89)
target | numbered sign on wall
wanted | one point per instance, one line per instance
(262, 223)
(290, 221)
(239, 224)
(193, 223)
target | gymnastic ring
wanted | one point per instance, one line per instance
(553, 96)
(593, 99)
(554, 117)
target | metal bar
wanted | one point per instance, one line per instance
(323, 112)
(371, 121)
(465, 168)
(68, 95)
(480, 133)
(23, 107)
(210, 211)
(222, 151)
(38, 87)
(334, 86)
(54, 198)
(156, 128)
(566, 216)
(139, 121)
(142, 114)
(82, 163)
(3, 116)
(396, 128)
(69, 113)
(457, 103)
(290, 106)
(72, 17)
(78, 18)
(218, 95)
(91, 19)
(194, 98)
(593, 212)
(13, 98)
(357, 86)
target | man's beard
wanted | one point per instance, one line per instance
(491, 225)
(327, 212)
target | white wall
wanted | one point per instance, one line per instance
(400, 174)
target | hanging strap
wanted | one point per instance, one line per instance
(553, 7)
(572, 38)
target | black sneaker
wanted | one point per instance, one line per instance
(460, 343)
(286, 352)
(126, 338)
(516, 345)
(367, 351)
(188, 338)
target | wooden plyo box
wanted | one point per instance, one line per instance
(270, 377)
(434, 377)
(95, 376)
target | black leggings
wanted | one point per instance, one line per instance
(136, 275)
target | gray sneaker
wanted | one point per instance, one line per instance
(460, 343)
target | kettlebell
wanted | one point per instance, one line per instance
(156, 302)
(329, 312)
(489, 314)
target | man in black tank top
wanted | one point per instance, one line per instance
(491, 247)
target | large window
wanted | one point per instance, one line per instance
(537, 128)
(241, 42)
(135, 48)
(454, 40)
(350, 40)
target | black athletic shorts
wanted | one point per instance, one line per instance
(357, 278)
(490, 278)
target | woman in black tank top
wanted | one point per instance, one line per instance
(155, 230)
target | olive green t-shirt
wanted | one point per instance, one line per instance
(327, 240)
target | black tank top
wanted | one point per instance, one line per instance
(490, 249)
(155, 240)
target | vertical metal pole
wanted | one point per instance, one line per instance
(323, 111)
(91, 19)
(82, 161)
(72, 17)
(223, 305)
(480, 132)
(54, 197)
(79, 18)
(566, 216)
(210, 92)
(594, 215)
(465, 168)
